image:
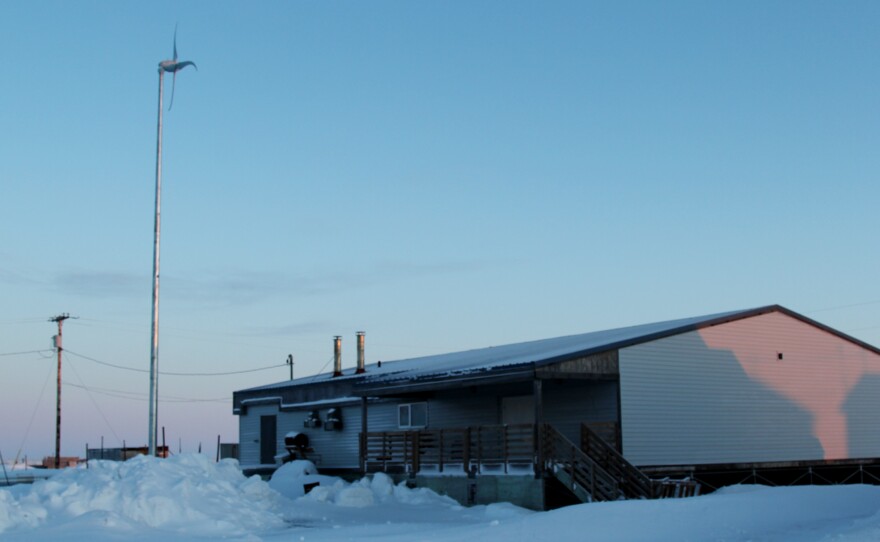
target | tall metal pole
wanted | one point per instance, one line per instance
(154, 345)
(173, 66)
(60, 320)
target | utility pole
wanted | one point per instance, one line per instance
(59, 320)
(290, 362)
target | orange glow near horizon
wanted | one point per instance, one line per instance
(817, 374)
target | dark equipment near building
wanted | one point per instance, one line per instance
(297, 446)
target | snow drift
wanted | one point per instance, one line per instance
(184, 493)
(190, 498)
(291, 480)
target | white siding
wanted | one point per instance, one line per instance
(249, 434)
(332, 449)
(721, 395)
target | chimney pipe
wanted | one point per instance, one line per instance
(360, 347)
(337, 356)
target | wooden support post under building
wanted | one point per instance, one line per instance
(538, 392)
(466, 453)
(363, 439)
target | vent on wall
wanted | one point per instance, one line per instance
(313, 420)
(334, 420)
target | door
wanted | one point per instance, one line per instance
(268, 438)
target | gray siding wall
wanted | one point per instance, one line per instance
(722, 395)
(339, 449)
(568, 404)
(444, 411)
(382, 416)
(463, 411)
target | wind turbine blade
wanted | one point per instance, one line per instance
(175, 43)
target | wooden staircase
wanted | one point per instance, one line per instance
(633, 483)
(595, 470)
(588, 481)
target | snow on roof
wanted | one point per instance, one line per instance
(539, 352)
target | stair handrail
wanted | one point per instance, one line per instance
(560, 453)
(633, 482)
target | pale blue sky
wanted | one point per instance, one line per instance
(441, 175)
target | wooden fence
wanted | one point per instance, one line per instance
(479, 448)
(594, 471)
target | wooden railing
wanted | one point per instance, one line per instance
(607, 431)
(497, 447)
(668, 488)
(633, 483)
(594, 471)
(577, 471)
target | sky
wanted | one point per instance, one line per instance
(440, 175)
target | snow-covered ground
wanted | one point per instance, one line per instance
(190, 498)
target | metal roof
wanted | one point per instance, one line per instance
(541, 352)
(519, 356)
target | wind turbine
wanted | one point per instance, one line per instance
(172, 66)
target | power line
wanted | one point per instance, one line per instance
(189, 334)
(140, 396)
(134, 369)
(319, 373)
(27, 352)
(106, 421)
(34, 414)
(24, 321)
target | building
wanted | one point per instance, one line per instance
(123, 454)
(63, 462)
(763, 392)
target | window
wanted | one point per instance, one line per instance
(412, 415)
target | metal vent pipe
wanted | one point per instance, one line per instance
(337, 356)
(360, 347)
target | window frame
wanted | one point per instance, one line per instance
(408, 408)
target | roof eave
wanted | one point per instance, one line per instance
(506, 375)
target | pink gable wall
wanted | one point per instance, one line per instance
(818, 370)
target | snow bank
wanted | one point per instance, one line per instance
(291, 479)
(189, 498)
(185, 494)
